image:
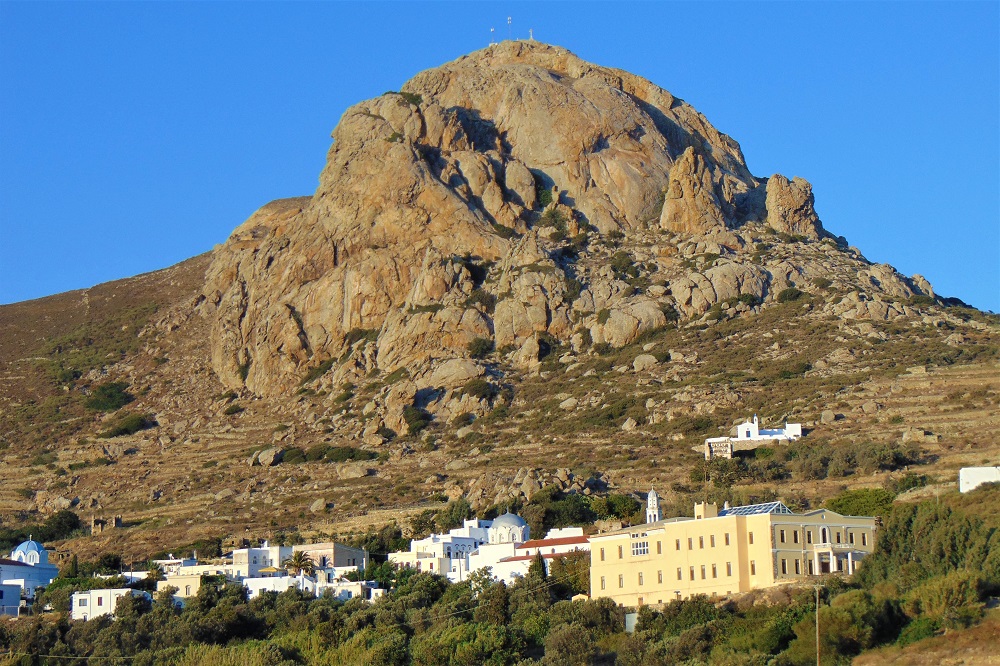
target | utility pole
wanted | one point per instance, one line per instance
(817, 587)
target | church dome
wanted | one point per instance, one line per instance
(509, 528)
(509, 520)
(30, 552)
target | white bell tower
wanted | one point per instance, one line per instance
(653, 513)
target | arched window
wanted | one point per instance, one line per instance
(824, 538)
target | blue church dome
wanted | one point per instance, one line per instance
(30, 552)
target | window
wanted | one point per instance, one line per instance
(690, 543)
(640, 548)
(809, 536)
(727, 538)
(678, 544)
(659, 577)
(715, 572)
(640, 578)
(691, 573)
(753, 568)
(703, 572)
(619, 552)
(729, 568)
(602, 554)
(864, 538)
(784, 566)
(824, 536)
(621, 580)
(701, 542)
(795, 536)
(798, 567)
(781, 536)
(750, 537)
(659, 547)
(838, 537)
(680, 576)
(602, 582)
(187, 590)
(81, 602)
(850, 537)
(711, 541)
(100, 601)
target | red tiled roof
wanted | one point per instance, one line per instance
(542, 543)
(547, 556)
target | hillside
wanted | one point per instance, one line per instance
(523, 270)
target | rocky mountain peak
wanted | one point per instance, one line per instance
(515, 193)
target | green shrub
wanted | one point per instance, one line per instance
(483, 298)
(921, 300)
(463, 419)
(479, 389)
(387, 433)
(622, 264)
(603, 316)
(863, 502)
(542, 194)
(822, 282)
(129, 424)
(749, 299)
(347, 454)
(789, 294)
(416, 419)
(412, 98)
(109, 397)
(293, 456)
(233, 409)
(317, 372)
(357, 334)
(480, 347)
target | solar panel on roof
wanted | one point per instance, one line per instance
(756, 509)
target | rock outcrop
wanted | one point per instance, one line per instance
(475, 204)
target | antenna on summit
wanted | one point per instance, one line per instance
(531, 34)
(492, 31)
(508, 29)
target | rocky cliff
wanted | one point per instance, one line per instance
(516, 192)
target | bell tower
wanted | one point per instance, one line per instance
(653, 513)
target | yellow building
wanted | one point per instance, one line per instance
(719, 553)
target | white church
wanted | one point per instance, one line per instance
(28, 568)
(749, 436)
(503, 544)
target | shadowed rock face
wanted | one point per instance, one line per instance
(420, 185)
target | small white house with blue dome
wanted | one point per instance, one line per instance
(28, 567)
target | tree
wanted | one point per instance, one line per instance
(537, 569)
(299, 563)
(155, 573)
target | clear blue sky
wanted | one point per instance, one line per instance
(136, 135)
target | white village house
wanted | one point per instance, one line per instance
(749, 436)
(95, 603)
(970, 478)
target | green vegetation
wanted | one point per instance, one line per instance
(416, 419)
(933, 564)
(863, 502)
(315, 373)
(232, 409)
(60, 525)
(480, 347)
(790, 294)
(109, 397)
(128, 424)
(480, 389)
